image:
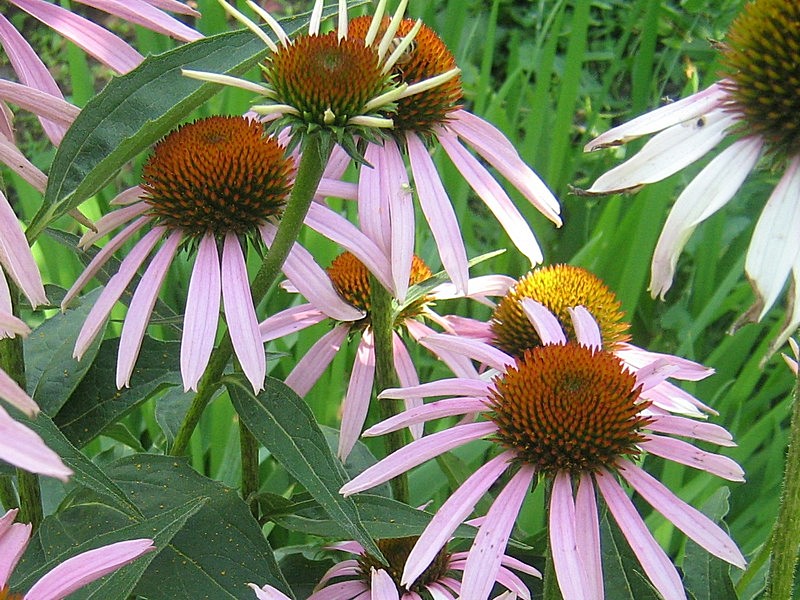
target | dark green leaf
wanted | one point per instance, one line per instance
(359, 459)
(623, 576)
(282, 422)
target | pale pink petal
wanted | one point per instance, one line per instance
(11, 392)
(566, 556)
(699, 430)
(39, 103)
(350, 590)
(268, 592)
(688, 519)
(101, 257)
(416, 453)
(96, 319)
(240, 313)
(477, 350)
(488, 548)
(708, 192)
(653, 559)
(513, 583)
(775, 244)
(467, 327)
(174, 6)
(407, 376)
(638, 357)
(673, 113)
(373, 210)
(23, 448)
(202, 313)
(9, 324)
(395, 185)
(110, 221)
(93, 39)
(14, 538)
(449, 407)
(16, 257)
(687, 454)
(340, 569)
(129, 196)
(477, 288)
(482, 136)
(309, 368)
(459, 365)
(546, 324)
(438, 212)
(16, 161)
(80, 570)
(333, 188)
(338, 229)
(382, 586)
(359, 391)
(443, 387)
(495, 198)
(672, 398)
(144, 14)
(649, 376)
(291, 320)
(452, 513)
(586, 328)
(142, 303)
(312, 281)
(587, 532)
(350, 546)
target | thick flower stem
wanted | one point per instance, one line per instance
(309, 172)
(382, 315)
(786, 534)
(249, 451)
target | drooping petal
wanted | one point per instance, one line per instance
(144, 14)
(16, 257)
(240, 314)
(142, 303)
(373, 210)
(587, 530)
(359, 390)
(699, 430)
(9, 324)
(586, 328)
(564, 542)
(775, 244)
(110, 221)
(45, 104)
(202, 313)
(653, 559)
(443, 387)
(689, 455)
(16, 161)
(688, 519)
(291, 320)
(544, 322)
(394, 180)
(407, 376)
(309, 368)
(452, 513)
(475, 349)
(478, 288)
(638, 357)
(382, 586)
(489, 546)
(23, 448)
(268, 592)
(439, 213)
(449, 407)
(16, 396)
(460, 365)
(707, 193)
(416, 453)
(14, 538)
(80, 570)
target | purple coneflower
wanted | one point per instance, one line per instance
(70, 575)
(755, 107)
(351, 279)
(208, 187)
(367, 577)
(573, 414)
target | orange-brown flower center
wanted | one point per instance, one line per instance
(396, 551)
(558, 287)
(568, 407)
(761, 58)
(7, 594)
(217, 175)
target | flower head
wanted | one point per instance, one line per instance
(574, 414)
(70, 575)
(208, 186)
(755, 107)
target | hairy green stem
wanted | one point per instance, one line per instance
(309, 172)
(382, 325)
(786, 534)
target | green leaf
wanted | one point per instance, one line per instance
(282, 422)
(623, 576)
(358, 461)
(96, 403)
(138, 108)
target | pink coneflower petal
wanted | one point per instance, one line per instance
(311, 280)
(449, 407)
(439, 213)
(456, 508)
(202, 313)
(268, 592)
(667, 153)
(291, 320)
(340, 569)
(698, 430)
(144, 14)
(649, 376)
(337, 189)
(382, 586)
(478, 288)
(174, 6)
(14, 538)
(654, 560)
(129, 196)
(638, 357)
(587, 534)
(768, 263)
(23, 448)
(483, 136)
(479, 351)
(713, 187)
(513, 583)
(16, 161)
(672, 398)
(9, 324)
(671, 114)
(93, 39)
(142, 303)
(101, 257)
(488, 548)
(359, 390)
(586, 328)
(407, 377)
(685, 517)
(564, 542)
(240, 314)
(16, 257)
(401, 214)
(460, 365)
(344, 590)
(40, 103)
(544, 322)
(442, 387)
(96, 319)
(111, 221)
(11, 392)
(76, 572)
(689, 455)
(373, 214)
(338, 229)
(314, 362)
(416, 453)
(495, 198)
(467, 327)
